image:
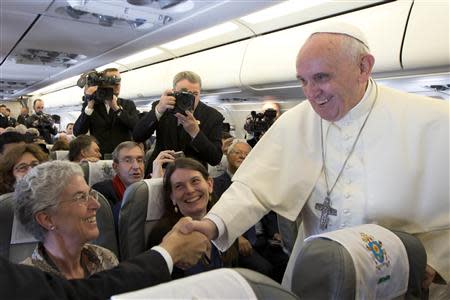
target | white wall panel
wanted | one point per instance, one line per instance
(427, 39)
(271, 58)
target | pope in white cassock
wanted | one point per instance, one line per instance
(355, 153)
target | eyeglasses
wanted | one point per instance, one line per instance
(83, 198)
(130, 160)
(239, 153)
(23, 167)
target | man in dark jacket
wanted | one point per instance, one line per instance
(42, 122)
(150, 268)
(110, 121)
(195, 131)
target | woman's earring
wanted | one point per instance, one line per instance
(175, 208)
(52, 227)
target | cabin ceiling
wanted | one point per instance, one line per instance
(46, 41)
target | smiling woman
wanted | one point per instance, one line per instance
(17, 162)
(188, 193)
(55, 204)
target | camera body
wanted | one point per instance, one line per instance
(184, 100)
(104, 83)
(257, 123)
(42, 120)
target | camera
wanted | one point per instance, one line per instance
(104, 83)
(42, 120)
(184, 100)
(257, 123)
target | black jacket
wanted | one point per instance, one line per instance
(45, 124)
(109, 129)
(205, 147)
(25, 282)
(22, 119)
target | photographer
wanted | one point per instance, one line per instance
(183, 123)
(258, 123)
(108, 118)
(42, 122)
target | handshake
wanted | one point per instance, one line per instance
(189, 241)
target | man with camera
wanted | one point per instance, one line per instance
(42, 122)
(107, 117)
(183, 123)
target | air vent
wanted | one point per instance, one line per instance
(49, 58)
(138, 14)
(439, 87)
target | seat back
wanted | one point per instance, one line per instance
(105, 223)
(59, 155)
(142, 207)
(335, 276)
(16, 243)
(221, 284)
(97, 171)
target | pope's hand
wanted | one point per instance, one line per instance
(185, 249)
(205, 226)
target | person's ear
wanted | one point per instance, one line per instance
(115, 167)
(210, 182)
(45, 220)
(366, 65)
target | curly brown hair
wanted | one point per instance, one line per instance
(10, 158)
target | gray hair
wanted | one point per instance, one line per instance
(351, 46)
(39, 190)
(127, 145)
(21, 129)
(189, 76)
(33, 131)
(235, 142)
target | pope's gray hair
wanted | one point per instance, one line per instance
(349, 45)
(39, 190)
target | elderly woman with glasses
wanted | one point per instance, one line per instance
(55, 204)
(16, 163)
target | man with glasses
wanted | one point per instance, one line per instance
(197, 131)
(128, 163)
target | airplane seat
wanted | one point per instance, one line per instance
(366, 261)
(97, 171)
(16, 243)
(59, 155)
(224, 283)
(105, 223)
(142, 207)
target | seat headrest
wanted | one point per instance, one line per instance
(99, 171)
(216, 284)
(62, 155)
(366, 261)
(19, 235)
(156, 206)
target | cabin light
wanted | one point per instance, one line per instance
(279, 10)
(139, 56)
(68, 82)
(201, 36)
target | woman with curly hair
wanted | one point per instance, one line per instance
(16, 163)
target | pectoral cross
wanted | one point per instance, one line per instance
(326, 210)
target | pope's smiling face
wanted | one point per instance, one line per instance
(333, 80)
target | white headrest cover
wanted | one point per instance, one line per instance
(217, 284)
